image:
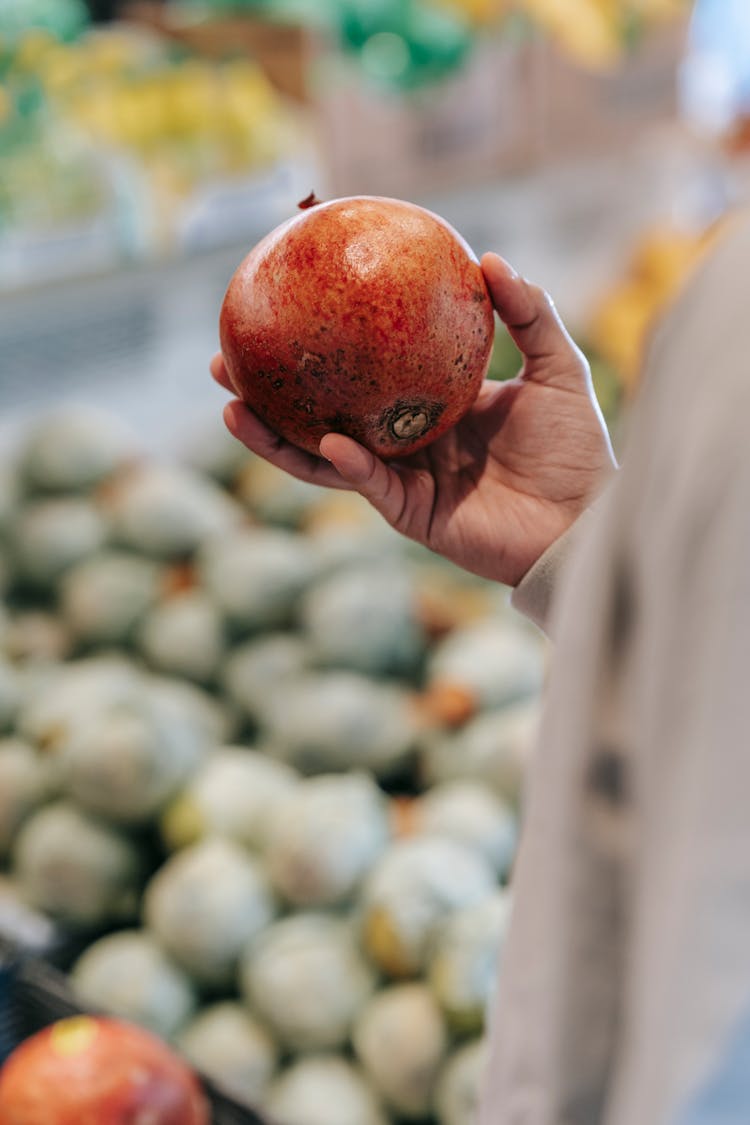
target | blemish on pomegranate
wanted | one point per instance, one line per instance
(313, 364)
(268, 376)
(339, 422)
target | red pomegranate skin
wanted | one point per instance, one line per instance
(98, 1071)
(365, 316)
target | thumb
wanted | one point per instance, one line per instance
(380, 484)
(534, 324)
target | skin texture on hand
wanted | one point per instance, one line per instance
(495, 491)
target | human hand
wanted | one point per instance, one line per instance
(497, 489)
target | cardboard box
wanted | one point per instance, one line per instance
(581, 112)
(283, 50)
(472, 126)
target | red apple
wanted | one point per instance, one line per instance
(98, 1071)
(366, 316)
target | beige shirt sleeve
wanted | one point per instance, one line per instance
(534, 595)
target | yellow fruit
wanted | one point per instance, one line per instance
(31, 51)
(665, 256)
(482, 12)
(619, 328)
(588, 30)
(658, 11)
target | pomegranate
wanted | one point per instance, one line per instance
(89, 1070)
(366, 316)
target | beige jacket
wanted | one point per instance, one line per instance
(624, 994)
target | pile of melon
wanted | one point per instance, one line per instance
(264, 759)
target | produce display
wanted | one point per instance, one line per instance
(410, 43)
(597, 34)
(151, 150)
(366, 316)
(262, 762)
(175, 128)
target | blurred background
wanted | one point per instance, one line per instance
(146, 146)
(262, 763)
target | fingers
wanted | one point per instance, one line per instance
(344, 464)
(380, 484)
(218, 369)
(243, 424)
(248, 428)
(529, 315)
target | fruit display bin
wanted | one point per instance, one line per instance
(34, 993)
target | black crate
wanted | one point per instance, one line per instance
(33, 994)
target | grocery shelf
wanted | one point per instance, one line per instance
(136, 341)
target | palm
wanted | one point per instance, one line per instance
(496, 490)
